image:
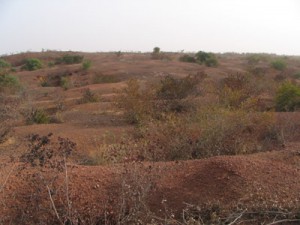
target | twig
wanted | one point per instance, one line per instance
(6, 179)
(237, 218)
(283, 221)
(67, 188)
(53, 205)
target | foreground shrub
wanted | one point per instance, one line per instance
(278, 64)
(69, 59)
(9, 83)
(32, 64)
(46, 160)
(288, 97)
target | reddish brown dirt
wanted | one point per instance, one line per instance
(270, 179)
(227, 181)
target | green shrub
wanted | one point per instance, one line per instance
(209, 59)
(9, 83)
(86, 64)
(278, 64)
(4, 64)
(65, 83)
(69, 59)
(288, 97)
(38, 116)
(32, 64)
(156, 50)
(187, 58)
(296, 75)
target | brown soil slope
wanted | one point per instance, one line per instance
(253, 181)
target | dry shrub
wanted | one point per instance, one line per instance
(245, 91)
(137, 182)
(213, 131)
(210, 132)
(135, 102)
(235, 89)
(231, 132)
(167, 140)
(88, 96)
(43, 167)
(9, 114)
(155, 100)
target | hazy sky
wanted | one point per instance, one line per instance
(271, 26)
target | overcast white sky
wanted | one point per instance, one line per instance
(271, 26)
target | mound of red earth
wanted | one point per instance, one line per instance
(249, 181)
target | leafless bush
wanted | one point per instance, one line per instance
(45, 162)
(137, 183)
(9, 113)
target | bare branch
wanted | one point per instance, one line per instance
(284, 221)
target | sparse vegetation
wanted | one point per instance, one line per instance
(69, 59)
(296, 76)
(9, 113)
(32, 64)
(65, 82)
(86, 65)
(88, 96)
(51, 64)
(4, 64)
(38, 116)
(162, 133)
(100, 78)
(254, 59)
(157, 99)
(237, 91)
(279, 64)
